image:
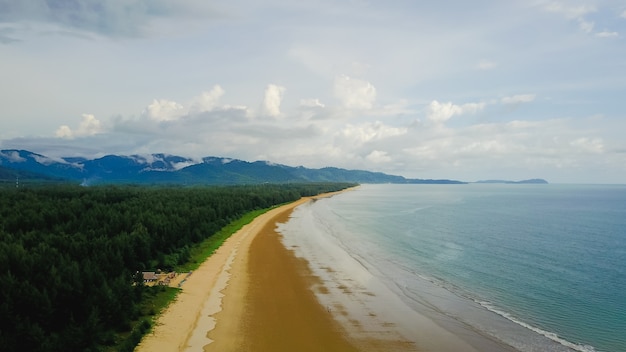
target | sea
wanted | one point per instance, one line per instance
(538, 267)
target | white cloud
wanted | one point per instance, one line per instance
(486, 65)
(206, 101)
(607, 34)
(515, 147)
(442, 112)
(492, 146)
(518, 99)
(579, 14)
(183, 164)
(378, 157)
(44, 160)
(273, 99)
(589, 145)
(89, 126)
(586, 26)
(370, 131)
(574, 12)
(64, 131)
(13, 156)
(439, 112)
(570, 12)
(354, 93)
(164, 110)
(311, 103)
(472, 108)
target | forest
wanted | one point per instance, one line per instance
(71, 257)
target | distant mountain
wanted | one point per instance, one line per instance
(531, 181)
(171, 169)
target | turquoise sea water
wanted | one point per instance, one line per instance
(548, 260)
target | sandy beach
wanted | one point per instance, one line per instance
(251, 292)
(254, 294)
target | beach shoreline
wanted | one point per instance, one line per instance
(370, 311)
(255, 293)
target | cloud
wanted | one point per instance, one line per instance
(518, 99)
(272, 100)
(514, 147)
(572, 12)
(6, 35)
(442, 112)
(64, 132)
(161, 110)
(311, 103)
(207, 101)
(89, 126)
(378, 157)
(588, 145)
(385, 138)
(607, 34)
(486, 65)
(370, 131)
(313, 109)
(13, 156)
(110, 18)
(585, 26)
(354, 93)
(569, 11)
(164, 110)
(579, 14)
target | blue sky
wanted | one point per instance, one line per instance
(451, 89)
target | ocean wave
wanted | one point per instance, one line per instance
(552, 336)
(418, 296)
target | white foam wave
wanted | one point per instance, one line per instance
(552, 336)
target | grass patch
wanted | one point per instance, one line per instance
(156, 299)
(204, 249)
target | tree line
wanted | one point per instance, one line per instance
(71, 257)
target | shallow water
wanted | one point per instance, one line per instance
(538, 267)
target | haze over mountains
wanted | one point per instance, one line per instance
(172, 169)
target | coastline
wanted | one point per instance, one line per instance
(374, 316)
(254, 293)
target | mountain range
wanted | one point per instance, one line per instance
(172, 169)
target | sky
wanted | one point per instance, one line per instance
(465, 90)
